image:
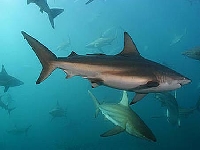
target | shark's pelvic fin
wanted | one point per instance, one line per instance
(95, 102)
(114, 131)
(45, 56)
(124, 100)
(138, 97)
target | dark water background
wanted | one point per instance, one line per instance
(152, 25)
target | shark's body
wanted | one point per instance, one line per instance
(101, 42)
(5, 106)
(127, 70)
(64, 45)
(18, 131)
(44, 7)
(169, 101)
(185, 112)
(124, 118)
(178, 38)
(58, 111)
(8, 81)
(193, 53)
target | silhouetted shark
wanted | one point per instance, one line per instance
(127, 70)
(58, 111)
(8, 81)
(52, 13)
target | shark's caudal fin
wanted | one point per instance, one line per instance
(53, 14)
(27, 129)
(95, 102)
(11, 109)
(45, 56)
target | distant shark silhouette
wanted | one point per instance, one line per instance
(19, 131)
(127, 70)
(8, 81)
(58, 111)
(5, 106)
(193, 53)
(52, 13)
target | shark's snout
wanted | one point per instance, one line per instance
(185, 81)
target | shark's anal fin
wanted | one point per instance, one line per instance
(95, 82)
(138, 97)
(114, 131)
(149, 84)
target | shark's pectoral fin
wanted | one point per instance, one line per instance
(95, 82)
(138, 97)
(114, 131)
(149, 84)
(6, 88)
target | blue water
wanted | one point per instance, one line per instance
(151, 24)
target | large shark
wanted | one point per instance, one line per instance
(8, 81)
(58, 111)
(124, 118)
(169, 101)
(52, 13)
(193, 53)
(19, 131)
(127, 70)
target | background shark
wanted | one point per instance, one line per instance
(19, 131)
(169, 101)
(58, 111)
(124, 118)
(193, 53)
(8, 81)
(127, 70)
(5, 106)
(101, 42)
(52, 13)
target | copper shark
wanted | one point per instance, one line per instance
(124, 118)
(127, 70)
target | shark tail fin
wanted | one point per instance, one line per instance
(95, 102)
(46, 57)
(27, 129)
(53, 14)
(11, 109)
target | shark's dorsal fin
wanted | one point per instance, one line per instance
(57, 104)
(124, 100)
(129, 46)
(72, 54)
(3, 70)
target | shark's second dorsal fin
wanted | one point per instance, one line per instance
(3, 70)
(72, 54)
(129, 46)
(124, 100)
